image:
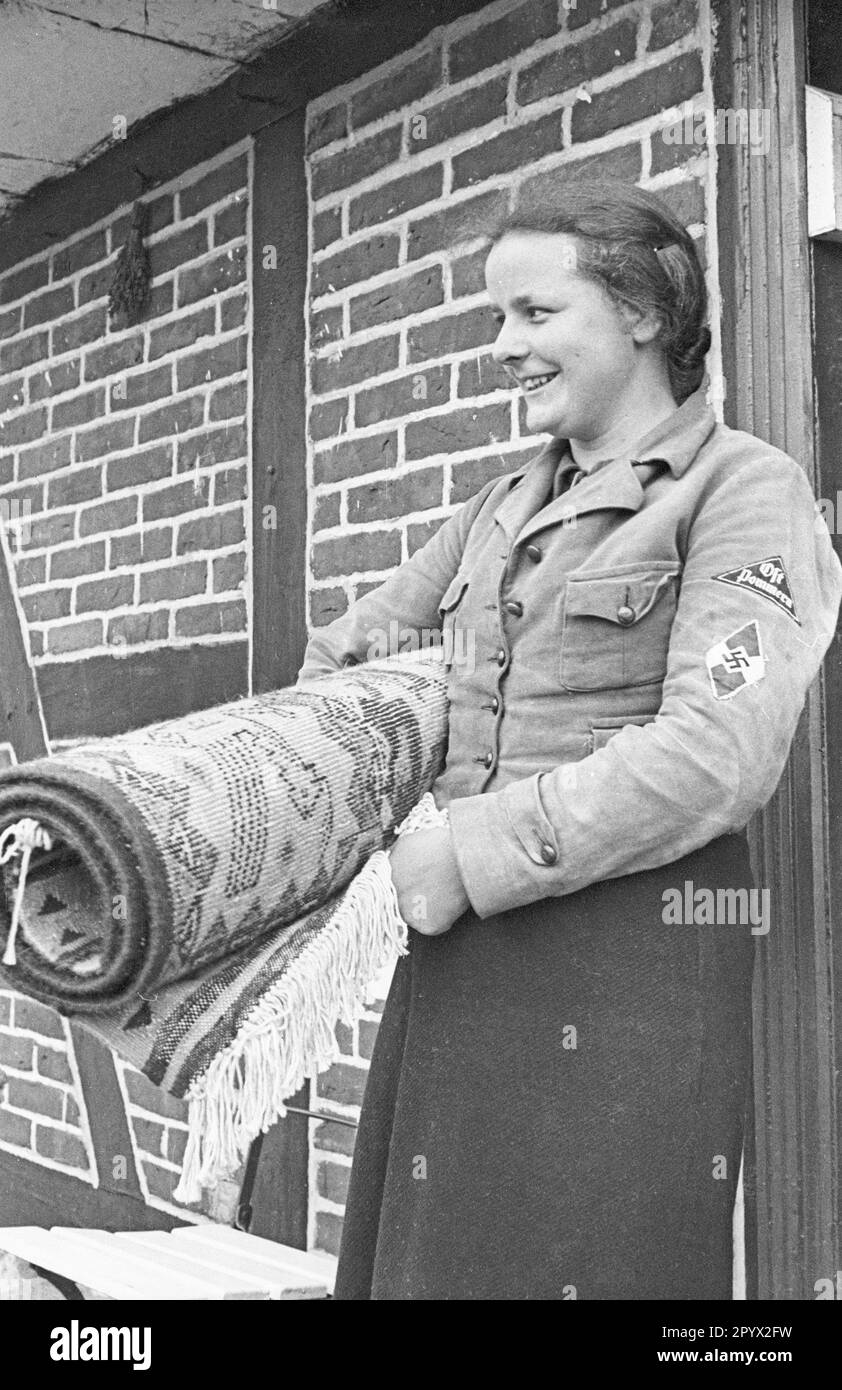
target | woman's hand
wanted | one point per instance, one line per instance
(431, 895)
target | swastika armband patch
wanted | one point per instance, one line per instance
(766, 578)
(736, 662)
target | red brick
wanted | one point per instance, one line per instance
(71, 1110)
(81, 485)
(620, 163)
(174, 418)
(352, 457)
(392, 199)
(73, 333)
(327, 604)
(400, 298)
(79, 410)
(51, 530)
(470, 475)
(113, 357)
(230, 485)
(23, 428)
(335, 1137)
(420, 532)
(76, 560)
(232, 312)
(368, 1037)
(367, 550)
(441, 337)
(326, 326)
(54, 1065)
(10, 322)
(46, 606)
(504, 38)
(175, 581)
(52, 304)
(452, 433)
(115, 515)
(15, 1129)
(141, 547)
(5, 1009)
(585, 10)
(350, 265)
(669, 155)
(327, 126)
(32, 1017)
(36, 643)
(23, 352)
(403, 86)
(99, 594)
(161, 300)
(211, 619)
(11, 393)
(176, 1145)
(141, 387)
(227, 178)
(7, 468)
(74, 637)
(130, 629)
(181, 333)
(145, 1096)
(328, 1232)
(35, 1096)
(573, 64)
(326, 227)
(86, 251)
(181, 497)
(685, 200)
(162, 1182)
(479, 376)
(96, 284)
(332, 1181)
(178, 247)
(61, 1147)
(16, 1052)
(23, 282)
(228, 572)
(213, 532)
(327, 419)
(228, 268)
(511, 149)
(145, 466)
(30, 569)
(638, 98)
(212, 446)
(326, 511)
(212, 363)
(355, 364)
(672, 21)
(230, 222)
(229, 401)
(470, 110)
(457, 223)
(410, 492)
(150, 1136)
(358, 162)
(159, 214)
(60, 377)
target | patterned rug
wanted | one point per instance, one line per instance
(180, 888)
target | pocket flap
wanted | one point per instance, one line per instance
(453, 593)
(607, 597)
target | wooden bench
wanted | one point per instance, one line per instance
(193, 1262)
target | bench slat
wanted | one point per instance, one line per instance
(279, 1280)
(226, 1238)
(210, 1281)
(42, 1248)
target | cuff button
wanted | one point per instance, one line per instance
(548, 854)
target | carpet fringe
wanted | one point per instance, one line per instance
(289, 1035)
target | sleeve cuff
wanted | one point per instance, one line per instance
(506, 847)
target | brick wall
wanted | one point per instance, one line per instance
(123, 456)
(409, 416)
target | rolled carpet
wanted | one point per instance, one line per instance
(179, 887)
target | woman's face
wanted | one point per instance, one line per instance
(561, 338)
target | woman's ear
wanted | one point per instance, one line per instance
(643, 327)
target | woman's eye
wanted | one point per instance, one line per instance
(535, 312)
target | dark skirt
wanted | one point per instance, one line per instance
(556, 1100)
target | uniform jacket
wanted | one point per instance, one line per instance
(628, 661)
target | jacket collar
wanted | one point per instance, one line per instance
(675, 441)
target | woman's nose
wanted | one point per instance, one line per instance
(508, 346)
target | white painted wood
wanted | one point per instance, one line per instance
(278, 1280)
(167, 1266)
(40, 1247)
(225, 1238)
(823, 111)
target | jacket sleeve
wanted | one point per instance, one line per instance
(394, 616)
(738, 671)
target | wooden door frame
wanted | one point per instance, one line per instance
(767, 348)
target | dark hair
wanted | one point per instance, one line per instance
(629, 241)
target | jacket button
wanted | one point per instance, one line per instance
(625, 615)
(548, 854)
(515, 607)
(487, 759)
(501, 657)
(535, 553)
(493, 705)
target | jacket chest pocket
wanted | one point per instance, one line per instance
(450, 604)
(616, 627)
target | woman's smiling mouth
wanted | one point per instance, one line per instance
(536, 383)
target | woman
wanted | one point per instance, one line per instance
(556, 1096)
